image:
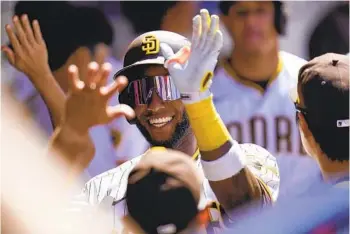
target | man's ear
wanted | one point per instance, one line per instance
(313, 148)
(303, 125)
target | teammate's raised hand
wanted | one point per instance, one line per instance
(29, 54)
(192, 68)
(87, 102)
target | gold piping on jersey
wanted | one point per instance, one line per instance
(195, 156)
(229, 70)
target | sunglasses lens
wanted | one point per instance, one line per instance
(141, 90)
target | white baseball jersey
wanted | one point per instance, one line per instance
(110, 187)
(266, 118)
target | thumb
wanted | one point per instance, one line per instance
(9, 54)
(173, 60)
(120, 110)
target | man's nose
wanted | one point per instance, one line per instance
(155, 102)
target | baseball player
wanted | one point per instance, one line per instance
(169, 80)
(324, 128)
(251, 88)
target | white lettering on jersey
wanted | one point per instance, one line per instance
(266, 118)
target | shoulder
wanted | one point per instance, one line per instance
(263, 165)
(292, 63)
(110, 183)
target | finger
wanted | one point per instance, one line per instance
(92, 75)
(13, 39)
(205, 26)
(120, 110)
(37, 32)
(138, 175)
(20, 32)
(196, 30)
(9, 54)
(179, 58)
(217, 43)
(118, 85)
(172, 183)
(174, 60)
(105, 71)
(28, 29)
(214, 26)
(167, 51)
(74, 82)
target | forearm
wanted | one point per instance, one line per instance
(53, 97)
(212, 136)
(74, 149)
(214, 141)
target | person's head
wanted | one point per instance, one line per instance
(322, 103)
(160, 114)
(254, 25)
(73, 35)
(173, 16)
(171, 193)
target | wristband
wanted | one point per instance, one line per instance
(226, 166)
(207, 126)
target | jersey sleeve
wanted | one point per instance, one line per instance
(264, 166)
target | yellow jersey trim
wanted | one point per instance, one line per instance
(229, 70)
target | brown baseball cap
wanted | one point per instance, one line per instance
(145, 50)
(323, 91)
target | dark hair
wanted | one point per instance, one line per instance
(331, 33)
(65, 28)
(280, 14)
(151, 206)
(323, 86)
(145, 16)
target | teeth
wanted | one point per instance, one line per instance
(159, 125)
(160, 122)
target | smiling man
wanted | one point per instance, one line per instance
(169, 80)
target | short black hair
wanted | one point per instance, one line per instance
(65, 27)
(152, 207)
(323, 86)
(145, 16)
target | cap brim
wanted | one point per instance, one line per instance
(293, 94)
(125, 70)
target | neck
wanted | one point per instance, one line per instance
(332, 170)
(188, 143)
(257, 67)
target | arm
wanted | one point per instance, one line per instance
(215, 142)
(86, 106)
(222, 158)
(29, 55)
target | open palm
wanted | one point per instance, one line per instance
(87, 102)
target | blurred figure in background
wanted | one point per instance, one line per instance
(331, 34)
(173, 16)
(251, 86)
(322, 109)
(73, 36)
